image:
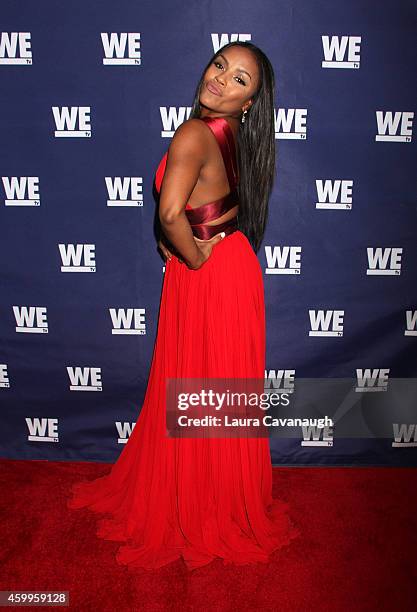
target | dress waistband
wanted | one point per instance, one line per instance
(205, 232)
(200, 216)
(212, 210)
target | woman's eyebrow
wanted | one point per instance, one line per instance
(240, 69)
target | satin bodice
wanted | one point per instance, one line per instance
(199, 216)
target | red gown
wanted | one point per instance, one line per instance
(197, 498)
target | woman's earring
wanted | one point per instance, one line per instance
(243, 116)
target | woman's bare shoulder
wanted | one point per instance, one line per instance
(191, 137)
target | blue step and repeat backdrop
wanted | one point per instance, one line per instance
(91, 94)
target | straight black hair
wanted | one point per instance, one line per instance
(256, 148)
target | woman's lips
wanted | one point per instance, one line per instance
(213, 89)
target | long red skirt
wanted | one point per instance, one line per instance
(196, 498)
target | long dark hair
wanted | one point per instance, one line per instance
(256, 148)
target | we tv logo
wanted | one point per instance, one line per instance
(128, 321)
(371, 380)
(341, 51)
(31, 319)
(124, 431)
(405, 435)
(15, 49)
(84, 378)
(72, 121)
(394, 126)
(314, 435)
(326, 322)
(121, 49)
(172, 117)
(221, 40)
(384, 261)
(411, 323)
(290, 124)
(4, 376)
(279, 381)
(334, 195)
(42, 429)
(124, 191)
(21, 191)
(283, 260)
(77, 257)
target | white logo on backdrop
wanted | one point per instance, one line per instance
(84, 378)
(15, 48)
(394, 127)
(283, 260)
(384, 261)
(124, 191)
(4, 376)
(405, 435)
(341, 51)
(31, 319)
(371, 380)
(128, 321)
(21, 190)
(313, 435)
(220, 40)
(77, 257)
(326, 323)
(279, 381)
(172, 117)
(124, 431)
(72, 121)
(334, 194)
(121, 49)
(290, 124)
(42, 429)
(411, 323)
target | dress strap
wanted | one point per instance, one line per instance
(225, 139)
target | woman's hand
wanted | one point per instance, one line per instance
(165, 251)
(206, 247)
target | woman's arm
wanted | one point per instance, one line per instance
(186, 156)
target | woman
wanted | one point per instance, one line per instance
(202, 498)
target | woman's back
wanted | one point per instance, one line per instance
(219, 214)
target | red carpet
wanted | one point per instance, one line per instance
(358, 550)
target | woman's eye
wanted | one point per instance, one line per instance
(216, 63)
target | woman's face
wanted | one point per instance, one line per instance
(230, 81)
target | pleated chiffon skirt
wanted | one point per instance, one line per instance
(196, 498)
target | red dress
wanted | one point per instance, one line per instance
(197, 498)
